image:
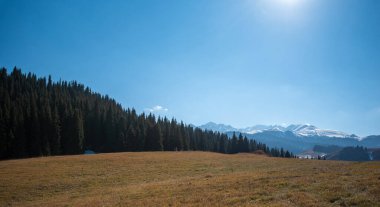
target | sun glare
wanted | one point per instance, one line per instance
(289, 2)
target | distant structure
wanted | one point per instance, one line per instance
(89, 152)
(311, 155)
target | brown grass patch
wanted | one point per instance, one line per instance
(186, 179)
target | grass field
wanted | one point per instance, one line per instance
(187, 179)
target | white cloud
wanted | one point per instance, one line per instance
(157, 108)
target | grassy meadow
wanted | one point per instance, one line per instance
(186, 179)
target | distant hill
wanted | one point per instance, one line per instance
(297, 144)
(350, 154)
(333, 152)
(374, 154)
(371, 141)
(326, 149)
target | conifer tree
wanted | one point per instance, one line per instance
(240, 143)
(234, 144)
(55, 133)
(154, 139)
(131, 139)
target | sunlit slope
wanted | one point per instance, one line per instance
(187, 178)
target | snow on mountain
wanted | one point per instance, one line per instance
(218, 127)
(302, 130)
(261, 128)
(310, 130)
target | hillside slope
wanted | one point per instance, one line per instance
(40, 117)
(187, 179)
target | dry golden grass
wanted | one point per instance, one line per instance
(187, 179)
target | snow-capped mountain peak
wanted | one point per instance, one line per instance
(310, 130)
(302, 130)
(217, 127)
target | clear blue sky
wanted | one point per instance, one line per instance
(238, 62)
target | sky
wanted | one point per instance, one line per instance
(237, 62)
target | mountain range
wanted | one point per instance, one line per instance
(296, 137)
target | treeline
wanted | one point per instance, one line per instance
(39, 117)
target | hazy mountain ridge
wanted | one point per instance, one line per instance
(298, 138)
(298, 129)
(217, 127)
